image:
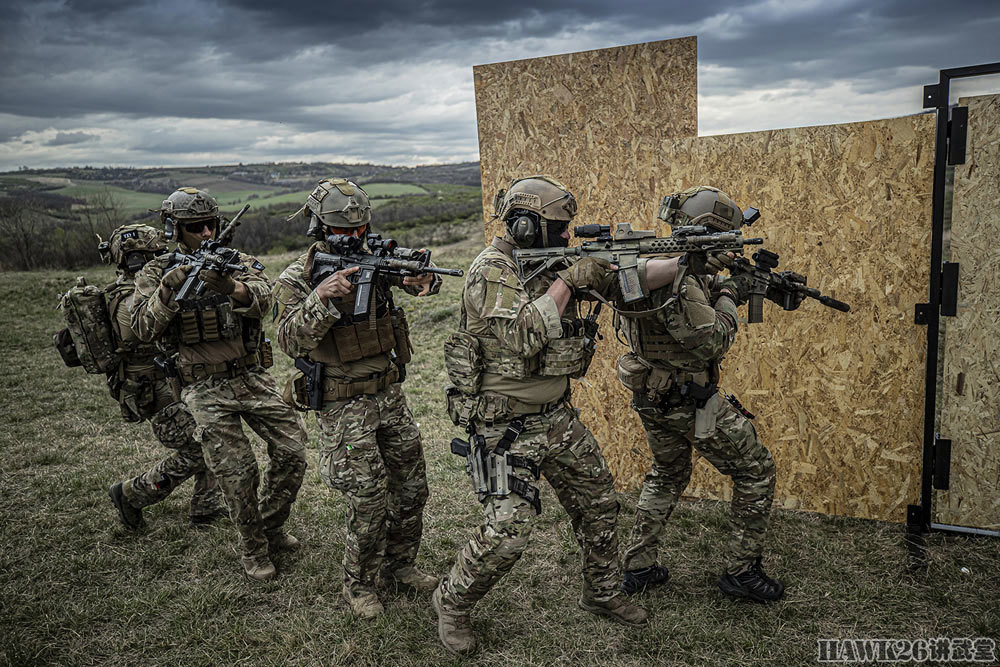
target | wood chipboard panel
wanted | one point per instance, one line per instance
(970, 395)
(586, 118)
(838, 397)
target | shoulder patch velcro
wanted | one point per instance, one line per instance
(257, 265)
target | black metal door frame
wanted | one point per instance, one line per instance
(949, 149)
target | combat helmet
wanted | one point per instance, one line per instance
(335, 202)
(187, 205)
(130, 246)
(528, 206)
(701, 205)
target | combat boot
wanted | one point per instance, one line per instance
(636, 581)
(363, 605)
(282, 542)
(618, 609)
(131, 516)
(410, 577)
(259, 568)
(454, 629)
(752, 584)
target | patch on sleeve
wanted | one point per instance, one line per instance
(503, 293)
(257, 265)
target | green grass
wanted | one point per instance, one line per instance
(131, 202)
(76, 588)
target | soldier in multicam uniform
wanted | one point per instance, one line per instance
(144, 393)
(371, 448)
(221, 356)
(673, 371)
(517, 346)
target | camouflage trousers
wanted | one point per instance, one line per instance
(734, 450)
(371, 452)
(174, 427)
(218, 404)
(568, 456)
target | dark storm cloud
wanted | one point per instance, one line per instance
(67, 138)
(398, 71)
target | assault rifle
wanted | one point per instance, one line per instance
(626, 246)
(210, 256)
(783, 285)
(377, 257)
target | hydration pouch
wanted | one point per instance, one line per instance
(463, 360)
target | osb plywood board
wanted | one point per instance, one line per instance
(588, 118)
(838, 397)
(970, 394)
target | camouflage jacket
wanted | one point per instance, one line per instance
(304, 322)
(151, 318)
(520, 317)
(691, 329)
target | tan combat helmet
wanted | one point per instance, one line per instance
(336, 202)
(130, 246)
(541, 195)
(187, 205)
(701, 205)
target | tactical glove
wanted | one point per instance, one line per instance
(588, 272)
(707, 264)
(737, 286)
(779, 296)
(223, 283)
(172, 281)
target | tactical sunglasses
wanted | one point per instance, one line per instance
(196, 227)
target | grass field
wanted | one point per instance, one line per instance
(78, 589)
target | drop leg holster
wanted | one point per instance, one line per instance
(490, 470)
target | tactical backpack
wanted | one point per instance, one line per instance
(87, 340)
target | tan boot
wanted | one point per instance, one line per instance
(618, 609)
(363, 605)
(411, 577)
(282, 542)
(259, 568)
(454, 630)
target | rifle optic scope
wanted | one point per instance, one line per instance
(592, 231)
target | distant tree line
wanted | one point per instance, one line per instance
(41, 230)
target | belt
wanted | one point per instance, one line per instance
(522, 409)
(370, 385)
(234, 367)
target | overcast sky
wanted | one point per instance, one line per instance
(194, 82)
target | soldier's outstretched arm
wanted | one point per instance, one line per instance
(303, 318)
(150, 314)
(703, 322)
(257, 299)
(522, 326)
